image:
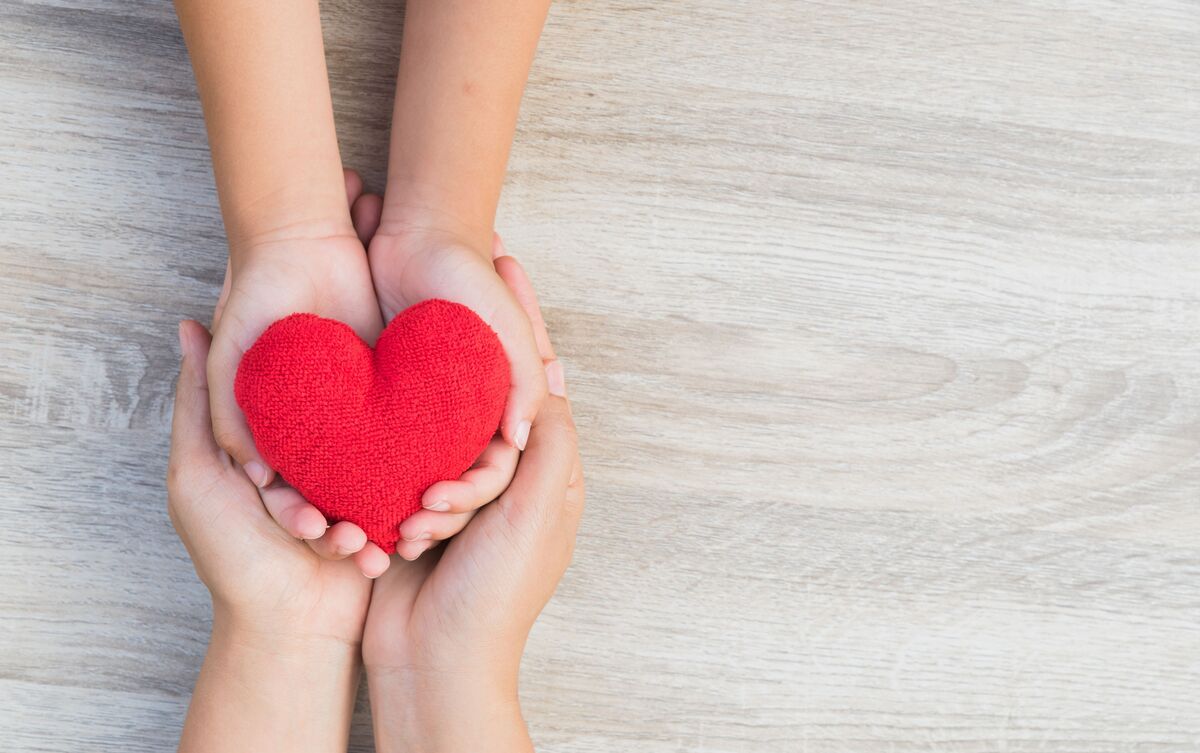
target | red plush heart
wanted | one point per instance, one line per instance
(363, 432)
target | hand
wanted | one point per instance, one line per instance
(286, 614)
(444, 635)
(418, 260)
(297, 270)
(263, 581)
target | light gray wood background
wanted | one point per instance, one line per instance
(882, 321)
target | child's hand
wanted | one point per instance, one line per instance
(449, 505)
(263, 581)
(444, 635)
(325, 276)
(288, 273)
(419, 260)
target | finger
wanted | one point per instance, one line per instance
(228, 422)
(528, 385)
(396, 591)
(575, 493)
(514, 276)
(191, 430)
(372, 561)
(483, 482)
(426, 525)
(293, 512)
(365, 213)
(354, 185)
(544, 474)
(411, 550)
(340, 541)
(224, 296)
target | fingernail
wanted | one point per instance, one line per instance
(555, 379)
(440, 506)
(182, 342)
(522, 435)
(313, 533)
(256, 472)
(498, 247)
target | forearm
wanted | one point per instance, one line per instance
(260, 71)
(267, 693)
(414, 712)
(463, 68)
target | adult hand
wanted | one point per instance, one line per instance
(286, 616)
(444, 634)
(263, 581)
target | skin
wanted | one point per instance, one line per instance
(442, 657)
(281, 623)
(284, 614)
(463, 68)
(293, 245)
(442, 661)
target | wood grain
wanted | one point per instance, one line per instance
(882, 322)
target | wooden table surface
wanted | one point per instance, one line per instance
(882, 321)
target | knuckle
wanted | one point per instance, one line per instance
(458, 507)
(537, 374)
(227, 435)
(576, 495)
(576, 481)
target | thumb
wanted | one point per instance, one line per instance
(191, 431)
(535, 498)
(528, 389)
(223, 298)
(228, 422)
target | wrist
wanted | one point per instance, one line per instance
(310, 246)
(271, 692)
(421, 210)
(425, 711)
(287, 638)
(282, 219)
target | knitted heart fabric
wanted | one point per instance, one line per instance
(363, 432)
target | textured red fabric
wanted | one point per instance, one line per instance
(363, 432)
